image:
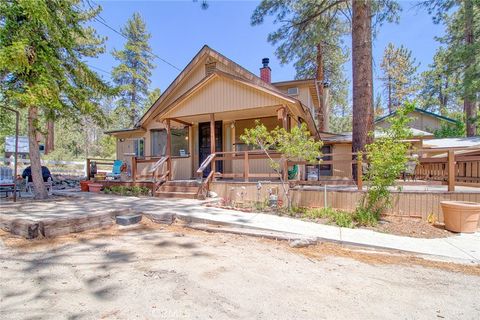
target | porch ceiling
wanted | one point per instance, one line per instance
(254, 113)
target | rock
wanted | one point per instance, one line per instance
(301, 243)
(212, 194)
(128, 220)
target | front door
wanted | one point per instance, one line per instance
(204, 144)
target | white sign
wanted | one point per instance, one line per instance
(22, 144)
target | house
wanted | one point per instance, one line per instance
(421, 120)
(207, 107)
(423, 124)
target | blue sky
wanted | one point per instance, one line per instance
(180, 28)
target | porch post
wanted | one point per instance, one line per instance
(359, 173)
(212, 140)
(451, 170)
(168, 150)
(282, 115)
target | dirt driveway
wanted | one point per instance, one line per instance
(174, 273)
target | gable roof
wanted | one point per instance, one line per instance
(428, 113)
(205, 50)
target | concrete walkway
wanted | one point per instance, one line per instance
(464, 247)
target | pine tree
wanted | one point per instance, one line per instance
(42, 47)
(399, 70)
(462, 21)
(439, 86)
(312, 38)
(132, 75)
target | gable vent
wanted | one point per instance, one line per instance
(210, 68)
(292, 91)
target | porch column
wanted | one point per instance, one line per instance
(283, 116)
(451, 170)
(212, 140)
(168, 151)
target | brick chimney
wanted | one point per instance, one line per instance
(265, 71)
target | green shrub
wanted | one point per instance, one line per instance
(365, 217)
(343, 219)
(127, 191)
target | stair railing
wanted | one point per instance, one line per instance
(205, 182)
(162, 178)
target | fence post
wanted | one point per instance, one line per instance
(451, 170)
(87, 169)
(134, 168)
(359, 173)
(246, 167)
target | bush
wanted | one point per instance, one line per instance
(339, 217)
(343, 219)
(365, 217)
(127, 191)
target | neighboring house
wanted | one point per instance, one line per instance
(423, 124)
(215, 92)
(421, 120)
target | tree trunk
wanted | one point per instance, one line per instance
(321, 112)
(469, 104)
(362, 74)
(34, 152)
(49, 141)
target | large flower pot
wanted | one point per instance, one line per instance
(461, 216)
(95, 187)
(84, 185)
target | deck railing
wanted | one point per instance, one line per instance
(451, 166)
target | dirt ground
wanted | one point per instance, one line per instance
(157, 272)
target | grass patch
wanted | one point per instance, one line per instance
(340, 218)
(127, 191)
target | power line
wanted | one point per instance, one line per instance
(124, 36)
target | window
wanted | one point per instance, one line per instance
(179, 142)
(139, 147)
(326, 169)
(292, 91)
(158, 142)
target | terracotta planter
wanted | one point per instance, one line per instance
(461, 216)
(84, 185)
(95, 187)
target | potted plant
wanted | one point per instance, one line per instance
(95, 187)
(84, 185)
(461, 216)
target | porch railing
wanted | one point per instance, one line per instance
(154, 172)
(448, 166)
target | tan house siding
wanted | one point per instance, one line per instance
(303, 93)
(342, 160)
(421, 121)
(223, 95)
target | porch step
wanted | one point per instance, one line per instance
(178, 188)
(184, 183)
(182, 195)
(186, 189)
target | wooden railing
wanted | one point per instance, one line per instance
(205, 183)
(158, 163)
(454, 168)
(103, 165)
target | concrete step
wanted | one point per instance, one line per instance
(128, 220)
(183, 183)
(178, 188)
(181, 195)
